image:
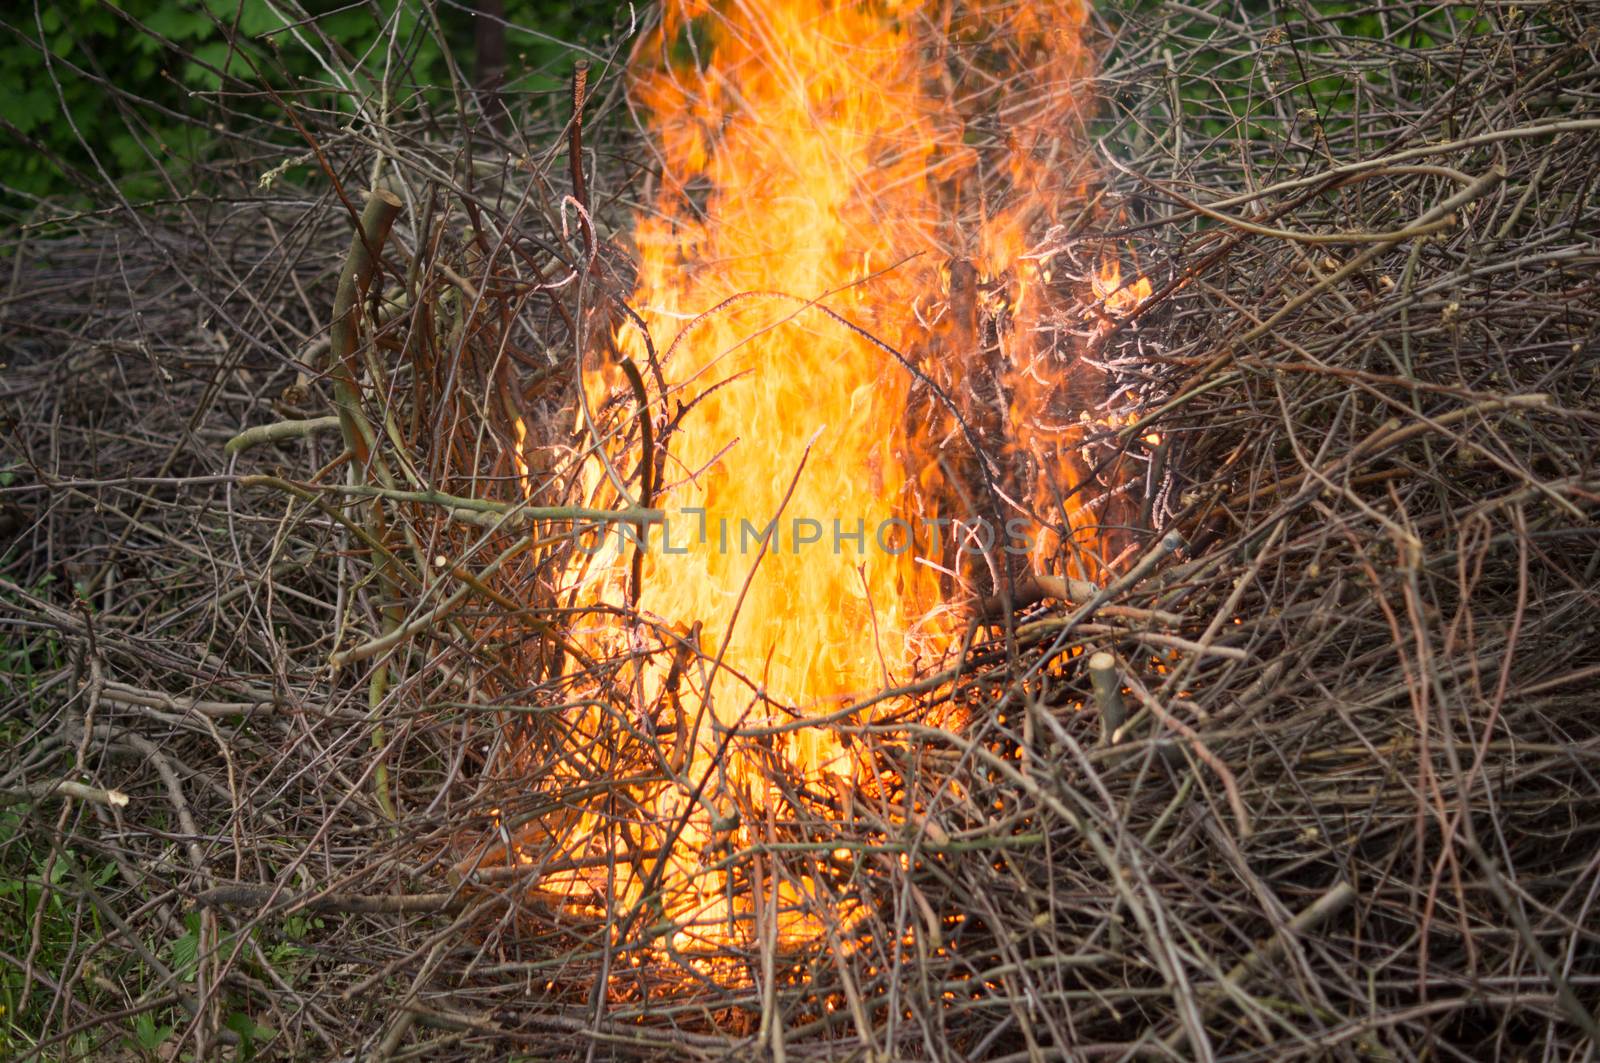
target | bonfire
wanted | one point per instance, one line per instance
(897, 530)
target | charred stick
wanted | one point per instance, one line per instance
(580, 193)
(1096, 598)
(646, 477)
(580, 82)
(1032, 589)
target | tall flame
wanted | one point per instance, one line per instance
(846, 269)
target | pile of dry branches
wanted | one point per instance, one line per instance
(278, 662)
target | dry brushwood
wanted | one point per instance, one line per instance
(1320, 780)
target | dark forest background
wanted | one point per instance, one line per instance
(136, 93)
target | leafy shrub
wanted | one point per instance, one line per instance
(135, 92)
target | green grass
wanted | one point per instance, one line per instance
(46, 900)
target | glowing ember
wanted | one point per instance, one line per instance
(855, 273)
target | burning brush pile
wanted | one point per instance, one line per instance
(920, 530)
(850, 401)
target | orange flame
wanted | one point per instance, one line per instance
(846, 267)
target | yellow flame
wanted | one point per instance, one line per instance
(519, 458)
(820, 178)
(1115, 297)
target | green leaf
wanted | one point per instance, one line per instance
(29, 109)
(258, 17)
(254, 16)
(125, 149)
(354, 28)
(147, 1034)
(62, 867)
(184, 950)
(209, 58)
(175, 23)
(248, 1031)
